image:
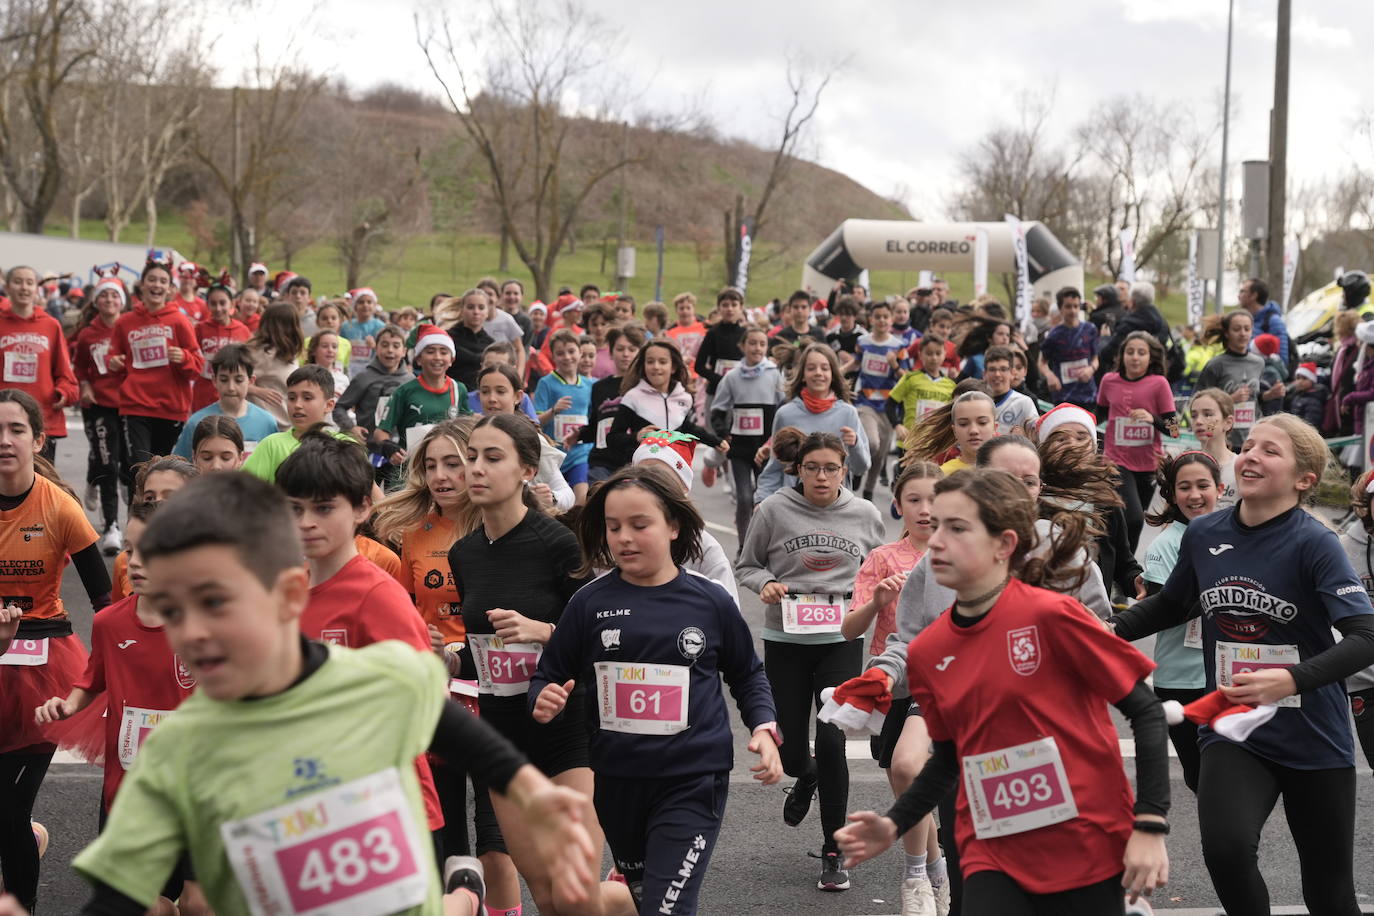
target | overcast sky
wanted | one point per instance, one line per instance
(927, 79)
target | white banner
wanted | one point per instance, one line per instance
(1195, 284)
(1127, 258)
(925, 279)
(980, 262)
(1290, 271)
(1024, 292)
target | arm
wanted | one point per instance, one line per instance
(1352, 654)
(859, 459)
(751, 569)
(936, 779)
(623, 435)
(770, 480)
(701, 432)
(347, 401)
(705, 361)
(95, 578)
(912, 618)
(1146, 716)
(894, 411)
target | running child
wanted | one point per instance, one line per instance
(323, 350)
(563, 401)
(501, 393)
(722, 349)
(965, 423)
(673, 723)
(100, 403)
(920, 391)
(1213, 417)
(217, 445)
(1016, 413)
(879, 358)
(218, 330)
(418, 404)
(309, 400)
(745, 405)
(187, 299)
(227, 578)
(36, 360)
(1273, 581)
(363, 405)
(231, 372)
(503, 354)
(329, 318)
(625, 345)
(1235, 370)
(1356, 540)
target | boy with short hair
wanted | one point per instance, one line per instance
(369, 392)
(288, 775)
(722, 347)
(309, 400)
(942, 325)
(363, 327)
(656, 319)
(298, 296)
(797, 329)
(844, 340)
(231, 371)
(563, 400)
(1014, 411)
(424, 400)
(923, 389)
(880, 360)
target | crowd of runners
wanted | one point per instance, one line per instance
(398, 610)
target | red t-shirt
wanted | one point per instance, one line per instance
(34, 359)
(195, 309)
(142, 679)
(211, 337)
(90, 361)
(358, 606)
(1037, 665)
(688, 339)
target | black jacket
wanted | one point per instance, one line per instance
(1141, 318)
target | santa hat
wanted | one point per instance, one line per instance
(1307, 371)
(113, 283)
(283, 278)
(187, 269)
(430, 336)
(353, 294)
(539, 307)
(1267, 344)
(1233, 721)
(1364, 332)
(567, 301)
(860, 705)
(672, 448)
(257, 267)
(1065, 415)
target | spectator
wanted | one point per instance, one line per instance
(1265, 313)
(1140, 315)
(1107, 311)
(1307, 398)
(1347, 346)
(1273, 377)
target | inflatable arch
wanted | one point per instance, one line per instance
(877, 244)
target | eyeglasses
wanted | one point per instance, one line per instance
(822, 470)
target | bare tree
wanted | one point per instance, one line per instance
(514, 88)
(42, 44)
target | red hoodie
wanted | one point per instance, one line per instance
(90, 359)
(36, 361)
(213, 336)
(155, 386)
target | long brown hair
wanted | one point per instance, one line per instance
(796, 381)
(41, 466)
(635, 373)
(279, 331)
(1075, 479)
(655, 478)
(934, 434)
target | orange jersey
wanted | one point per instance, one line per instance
(425, 573)
(381, 555)
(36, 538)
(119, 585)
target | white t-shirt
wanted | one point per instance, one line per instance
(1015, 409)
(501, 326)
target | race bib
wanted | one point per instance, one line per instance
(150, 353)
(725, 365)
(1068, 367)
(1244, 415)
(99, 355)
(1018, 789)
(1244, 657)
(1192, 636)
(924, 407)
(248, 446)
(134, 728)
(1128, 433)
(748, 421)
(504, 668)
(21, 368)
(643, 699)
(603, 429)
(416, 434)
(812, 613)
(26, 652)
(875, 364)
(565, 424)
(359, 358)
(379, 413)
(352, 850)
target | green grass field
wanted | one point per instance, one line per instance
(410, 273)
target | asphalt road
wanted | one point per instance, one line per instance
(760, 865)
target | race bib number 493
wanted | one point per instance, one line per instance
(1018, 789)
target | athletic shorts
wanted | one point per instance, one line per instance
(575, 474)
(554, 748)
(883, 744)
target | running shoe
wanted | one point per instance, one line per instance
(465, 872)
(113, 542)
(833, 876)
(92, 497)
(1140, 908)
(798, 803)
(918, 897)
(40, 837)
(942, 901)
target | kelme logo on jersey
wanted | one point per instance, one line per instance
(1243, 597)
(1023, 650)
(691, 642)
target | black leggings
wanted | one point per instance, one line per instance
(145, 437)
(1184, 735)
(1237, 791)
(21, 776)
(797, 673)
(102, 460)
(993, 893)
(1137, 488)
(451, 783)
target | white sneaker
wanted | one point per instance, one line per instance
(1140, 908)
(92, 498)
(113, 542)
(942, 902)
(918, 897)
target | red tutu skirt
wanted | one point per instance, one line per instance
(25, 687)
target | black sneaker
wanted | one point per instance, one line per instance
(798, 800)
(834, 877)
(466, 872)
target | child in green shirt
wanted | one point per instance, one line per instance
(309, 401)
(921, 390)
(424, 400)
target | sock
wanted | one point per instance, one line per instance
(915, 866)
(936, 872)
(497, 911)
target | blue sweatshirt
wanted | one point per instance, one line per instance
(689, 622)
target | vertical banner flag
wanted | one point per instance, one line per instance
(1290, 271)
(1024, 293)
(746, 232)
(1195, 290)
(1127, 258)
(658, 281)
(980, 262)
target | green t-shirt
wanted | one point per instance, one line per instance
(919, 394)
(413, 404)
(313, 792)
(273, 450)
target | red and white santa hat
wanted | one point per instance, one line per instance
(257, 267)
(1307, 371)
(431, 336)
(283, 278)
(859, 706)
(1065, 415)
(672, 448)
(113, 283)
(1233, 721)
(187, 269)
(353, 294)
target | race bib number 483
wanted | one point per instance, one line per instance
(352, 850)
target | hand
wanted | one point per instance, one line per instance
(555, 816)
(900, 432)
(436, 639)
(270, 396)
(9, 906)
(359, 433)
(1275, 391)
(848, 436)
(1241, 394)
(724, 447)
(59, 400)
(176, 354)
(866, 835)
(513, 626)
(769, 768)
(1261, 688)
(571, 438)
(369, 341)
(563, 404)
(761, 456)
(773, 593)
(116, 363)
(55, 710)
(892, 359)
(543, 495)
(1084, 373)
(1139, 588)
(1143, 415)
(551, 701)
(87, 395)
(9, 622)
(1147, 864)
(1052, 381)
(888, 589)
(398, 458)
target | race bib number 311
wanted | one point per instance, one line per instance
(504, 668)
(352, 850)
(1018, 789)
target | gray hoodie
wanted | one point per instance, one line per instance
(1360, 552)
(807, 548)
(794, 413)
(367, 387)
(923, 599)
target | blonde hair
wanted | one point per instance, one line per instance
(1310, 453)
(929, 439)
(403, 511)
(449, 311)
(684, 297)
